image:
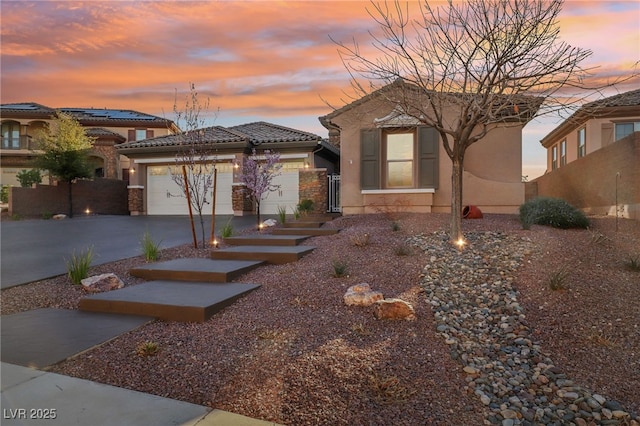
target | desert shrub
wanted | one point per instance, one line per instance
(282, 214)
(395, 226)
(78, 266)
(360, 240)
(552, 212)
(150, 248)
(558, 279)
(305, 206)
(339, 268)
(227, 230)
(633, 263)
(47, 215)
(147, 348)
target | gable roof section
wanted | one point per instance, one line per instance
(26, 110)
(102, 133)
(620, 105)
(261, 132)
(244, 136)
(528, 105)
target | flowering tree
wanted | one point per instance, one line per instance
(258, 173)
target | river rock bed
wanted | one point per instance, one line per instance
(477, 313)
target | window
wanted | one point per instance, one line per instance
(399, 158)
(11, 135)
(139, 134)
(582, 142)
(554, 157)
(399, 155)
(625, 129)
(563, 153)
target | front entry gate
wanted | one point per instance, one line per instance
(333, 200)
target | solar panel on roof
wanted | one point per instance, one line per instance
(20, 106)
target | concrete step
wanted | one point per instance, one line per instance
(195, 269)
(270, 254)
(305, 231)
(168, 300)
(266, 240)
(302, 224)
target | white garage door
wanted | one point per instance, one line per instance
(286, 196)
(164, 196)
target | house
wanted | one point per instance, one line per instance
(306, 160)
(593, 158)
(390, 161)
(21, 123)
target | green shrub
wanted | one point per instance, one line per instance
(78, 266)
(150, 248)
(305, 206)
(395, 226)
(227, 230)
(47, 215)
(552, 212)
(282, 214)
(28, 177)
(4, 194)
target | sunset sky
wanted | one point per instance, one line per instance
(256, 60)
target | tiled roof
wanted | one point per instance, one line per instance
(26, 108)
(614, 106)
(262, 132)
(251, 134)
(99, 131)
(631, 98)
(216, 134)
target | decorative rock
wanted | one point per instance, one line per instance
(394, 309)
(270, 222)
(361, 295)
(59, 216)
(477, 314)
(101, 283)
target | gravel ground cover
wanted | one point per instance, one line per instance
(492, 343)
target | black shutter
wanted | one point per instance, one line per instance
(149, 134)
(132, 135)
(428, 144)
(370, 159)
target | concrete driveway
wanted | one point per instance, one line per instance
(33, 250)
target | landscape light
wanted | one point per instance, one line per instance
(461, 243)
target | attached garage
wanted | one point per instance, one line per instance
(155, 192)
(165, 197)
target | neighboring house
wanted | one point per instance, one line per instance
(21, 123)
(392, 162)
(593, 158)
(306, 159)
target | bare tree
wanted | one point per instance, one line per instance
(467, 67)
(195, 153)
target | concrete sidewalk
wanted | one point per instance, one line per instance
(32, 397)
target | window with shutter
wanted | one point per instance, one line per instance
(370, 159)
(399, 158)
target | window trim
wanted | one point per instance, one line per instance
(554, 157)
(582, 131)
(385, 161)
(563, 153)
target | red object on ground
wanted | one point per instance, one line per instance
(471, 212)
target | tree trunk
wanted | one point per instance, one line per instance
(456, 201)
(258, 212)
(70, 199)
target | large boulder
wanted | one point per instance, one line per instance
(361, 295)
(101, 283)
(394, 309)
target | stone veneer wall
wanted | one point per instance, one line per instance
(312, 185)
(100, 196)
(136, 200)
(241, 204)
